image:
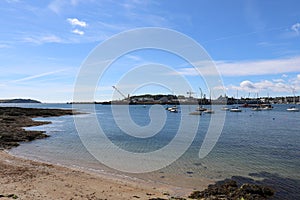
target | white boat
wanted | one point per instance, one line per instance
(173, 109)
(200, 108)
(256, 108)
(235, 109)
(293, 109)
(225, 108)
(209, 111)
(266, 107)
(258, 105)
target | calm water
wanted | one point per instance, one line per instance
(263, 144)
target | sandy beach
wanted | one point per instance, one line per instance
(28, 179)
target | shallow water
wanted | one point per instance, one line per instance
(251, 142)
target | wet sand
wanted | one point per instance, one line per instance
(35, 180)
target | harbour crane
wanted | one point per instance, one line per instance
(120, 92)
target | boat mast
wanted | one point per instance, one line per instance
(201, 94)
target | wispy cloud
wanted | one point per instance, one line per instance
(248, 68)
(76, 22)
(3, 46)
(58, 5)
(12, 1)
(43, 39)
(28, 78)
(279, 80)
(296, 28)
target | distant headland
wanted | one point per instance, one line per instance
(19, 101)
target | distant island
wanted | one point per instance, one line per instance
(19, 101)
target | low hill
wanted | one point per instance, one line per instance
(19, 101)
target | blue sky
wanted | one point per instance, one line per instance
(254, 44)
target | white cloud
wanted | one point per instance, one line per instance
(79, 32)
(268, 86)
(296, 27)
(76, 22)
(248, 68)
(248, 85)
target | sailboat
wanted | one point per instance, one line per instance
(209, 111)
(199, 109)
(236, 108)
(293, 108)
(266, 106)
(257, 107)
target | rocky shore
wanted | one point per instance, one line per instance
(14, 119)
(231, 190)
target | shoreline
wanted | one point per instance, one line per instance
(23, 178)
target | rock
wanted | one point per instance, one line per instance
(229, 189)
(13, 119)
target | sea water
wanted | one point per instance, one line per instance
(259, 144)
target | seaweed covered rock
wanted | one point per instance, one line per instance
(13, 119)
(230, 190)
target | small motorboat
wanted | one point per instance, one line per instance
(257, 108)
(209, 111)
(173, 109)
(293, 109)
(235, 109)
(225, 108)
(266, 106)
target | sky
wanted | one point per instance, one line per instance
(255, 45)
